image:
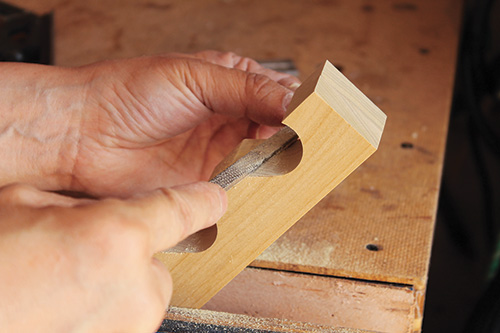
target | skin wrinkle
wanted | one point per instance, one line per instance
(194, 87)
(266, 94)
(106, 104)
(6, 130)
(79, 125)
(110, 109)
(242, 63)
(123, 118)
(177, 201)
(169, 164)
(60, 153)
(170, 161)
(194, 101)
(68, 136)
(195, 135)
(70, 149)
(147, 113)
(135, 126)
(193, 106)
(185, 215)
(182, 149)
(251, 82)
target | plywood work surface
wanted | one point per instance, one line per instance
(401, 54)
(324, 300)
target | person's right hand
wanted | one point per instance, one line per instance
(82, 265)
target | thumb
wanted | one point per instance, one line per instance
(173, 214)
(237, 93)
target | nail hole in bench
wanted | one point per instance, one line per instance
(373, 247)
(407, 145)
(423, 50)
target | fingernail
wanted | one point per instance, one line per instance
(286, 100)
(294, 86)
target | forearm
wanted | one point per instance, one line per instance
(38, 125)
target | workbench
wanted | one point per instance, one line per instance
(360, 258)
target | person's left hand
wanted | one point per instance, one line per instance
(138, 124)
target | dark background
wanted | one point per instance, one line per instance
(463, 291)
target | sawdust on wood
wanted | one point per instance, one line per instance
(230, 320)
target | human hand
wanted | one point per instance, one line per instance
(170, 120)
(83, 265)
(128, 126)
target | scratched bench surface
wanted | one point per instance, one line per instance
(378, 224)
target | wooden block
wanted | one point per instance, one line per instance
(338, 128)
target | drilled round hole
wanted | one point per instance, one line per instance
(373, 247)
(407, 145)
(424, 50)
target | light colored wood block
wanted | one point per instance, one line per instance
(338, 128)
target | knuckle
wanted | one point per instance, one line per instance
(234, 60)
(181, 210)
(229, 56)
(256, 83)
(118, 229)
(244, 63)
(15, 193)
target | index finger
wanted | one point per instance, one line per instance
(233, 60)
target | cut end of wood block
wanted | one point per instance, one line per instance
(345, 99)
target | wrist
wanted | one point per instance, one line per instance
(39, 125)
